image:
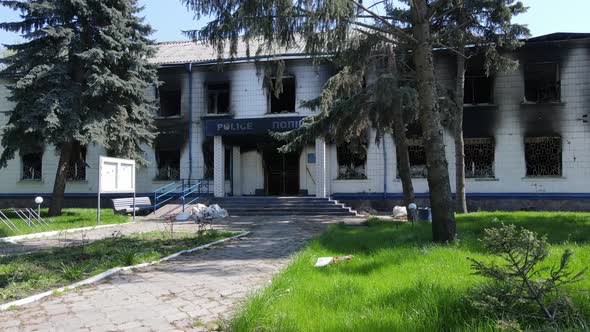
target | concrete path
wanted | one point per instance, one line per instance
(203, 287)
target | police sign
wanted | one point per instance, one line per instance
(256, 126)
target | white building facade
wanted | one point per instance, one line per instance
(527, 134)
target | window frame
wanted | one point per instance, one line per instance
(474, 141)
(217, 92)
(557, 81)
(270, 95)
(22, 168)
(526, 156)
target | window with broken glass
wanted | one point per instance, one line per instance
(417, 156)
(352, 161)
(169, 94)
(209, 161)
(218, 100)
(478, 86)
(543, 156)
(285, 101)
(32, 166)
(542, 82)
(77, 166)
(168, 162)
(479, 157)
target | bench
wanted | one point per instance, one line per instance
(125, 205)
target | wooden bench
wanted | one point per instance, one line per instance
(125, 205)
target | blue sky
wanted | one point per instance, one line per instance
(169, 18)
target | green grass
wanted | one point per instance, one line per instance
(71, 218)
(398, 280)
(24, 275)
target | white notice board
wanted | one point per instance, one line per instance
(115, 176)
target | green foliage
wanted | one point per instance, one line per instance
(399, 281)
(81, 76)
(524, 289)
(25, 275)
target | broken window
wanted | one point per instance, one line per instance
(479, 157)
(168, 162)
(285, 102)
(478, 86)
(542, 82)
(170, 95)
(352, 161)
(218, 98)
(228, 164)
(77, 165)
(543, 156)
(32, 166)
(417, 156)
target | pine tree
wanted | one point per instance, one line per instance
(81, 75)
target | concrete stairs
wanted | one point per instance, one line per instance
(281, 206)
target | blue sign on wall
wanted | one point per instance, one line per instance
(257, 126)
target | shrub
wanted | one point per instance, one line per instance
(523, 289)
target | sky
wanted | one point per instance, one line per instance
(170, 18)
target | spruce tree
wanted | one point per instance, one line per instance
(81, 76)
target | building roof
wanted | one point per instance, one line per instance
(199, 52)
(202, 53)
(559, 36)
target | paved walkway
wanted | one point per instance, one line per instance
(203, 287)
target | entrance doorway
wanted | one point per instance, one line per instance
(281, 173)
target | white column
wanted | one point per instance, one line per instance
(237, 168)
(218, 167)
(321, 167)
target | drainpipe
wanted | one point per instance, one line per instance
(190, 121)
(384, 169)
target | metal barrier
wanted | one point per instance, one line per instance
(180, 189)
(8, 223)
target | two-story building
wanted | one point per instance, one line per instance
(527, 135)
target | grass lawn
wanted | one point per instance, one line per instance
(24, 275)
(398, 280)
(71, 218)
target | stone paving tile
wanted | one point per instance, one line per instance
(204, 286)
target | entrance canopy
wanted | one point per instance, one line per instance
(254, 126)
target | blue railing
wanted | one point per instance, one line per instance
(194, 192)
(180, 189)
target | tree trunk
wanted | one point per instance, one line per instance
(441, 200)
(59, 186)
(400, 138)
(403, 159)
(460, 198)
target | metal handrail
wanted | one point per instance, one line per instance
(186, 188)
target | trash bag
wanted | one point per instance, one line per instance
(400, 212)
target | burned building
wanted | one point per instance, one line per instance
(526, 133)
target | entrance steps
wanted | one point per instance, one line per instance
(281, 206)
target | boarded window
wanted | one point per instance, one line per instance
(218, 98)
(479, 157)
(168, 162)
(285, 102)
(77, 166)
(543, 156)
(32, 166)
(352, 163)
(542, 82)
(417, 156)
(478, 86)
